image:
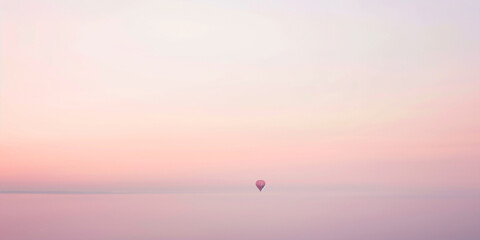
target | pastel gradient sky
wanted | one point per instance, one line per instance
(152, 95)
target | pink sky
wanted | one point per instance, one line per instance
(183, 94)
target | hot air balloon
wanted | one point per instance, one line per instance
(260, 184)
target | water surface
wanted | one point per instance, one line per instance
(267, 215)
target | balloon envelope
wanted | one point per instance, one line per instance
(260, 184)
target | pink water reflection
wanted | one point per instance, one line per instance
(237, 216)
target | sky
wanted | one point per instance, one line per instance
(165, 95)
